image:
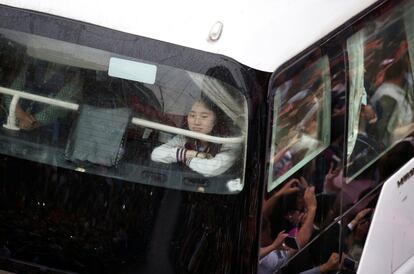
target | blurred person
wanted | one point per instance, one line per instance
(358, 231)
(394, 105)
(274, 254)
(48, 80)
(333, 263)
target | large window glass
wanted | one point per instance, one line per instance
(301, 120)
(380, 115)
(98, 112)
(308, 106)
(381, 87)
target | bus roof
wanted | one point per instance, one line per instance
(261, 34)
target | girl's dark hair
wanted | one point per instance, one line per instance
(221, 127)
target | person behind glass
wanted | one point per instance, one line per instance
(273, 253)
(206, 158)
(394, 105)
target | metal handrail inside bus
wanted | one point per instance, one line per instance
(11, 119)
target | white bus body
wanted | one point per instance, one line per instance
(259, 34)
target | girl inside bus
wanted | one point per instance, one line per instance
(206, 158)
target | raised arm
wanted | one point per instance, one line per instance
(305, 232)
(289, 188)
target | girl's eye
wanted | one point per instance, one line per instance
(204, 116)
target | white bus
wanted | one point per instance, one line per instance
(220, 137)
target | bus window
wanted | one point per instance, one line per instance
(381, 87)
(305, 162)
(301, 120)
(97, 112)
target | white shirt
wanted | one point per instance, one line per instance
(402, 114)
(167, 153)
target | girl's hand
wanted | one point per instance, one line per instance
(190, 153)
(278, 242)
(204, 155)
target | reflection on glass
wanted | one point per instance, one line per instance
(381, 87)
(301, 127)
(70, 106)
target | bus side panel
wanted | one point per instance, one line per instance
(389, 245)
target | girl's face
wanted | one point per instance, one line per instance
(201, 119)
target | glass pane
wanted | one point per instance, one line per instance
(301, 121)
(304, 201)
(381, 87)
(93, 111)
(380, 124)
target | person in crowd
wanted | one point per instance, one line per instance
(333, 179)
(48, 80)
(358, 231)
(274, 254)
(208, 159)
(333, 263)
(394, 105)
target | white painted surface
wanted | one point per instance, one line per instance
(407, 267)
(262, 34)
(389, 247)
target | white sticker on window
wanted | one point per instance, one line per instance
(132, 70)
